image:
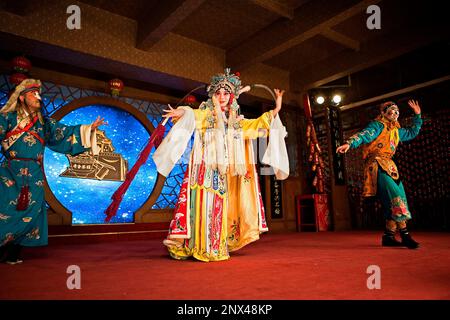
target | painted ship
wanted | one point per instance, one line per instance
(107, 165)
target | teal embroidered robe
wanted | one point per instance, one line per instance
(381, 175)
(29, 227)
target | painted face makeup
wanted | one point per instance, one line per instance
(33, 99)
(392, 113)
(223, 96)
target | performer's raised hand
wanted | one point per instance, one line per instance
(173, 113)
(279, 101)
(415, 106)
(98, 122)
(343, 148)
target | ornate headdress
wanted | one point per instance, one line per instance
(227, 80)
(25, 86)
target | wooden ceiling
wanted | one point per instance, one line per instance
(300, 36)
(316, 41)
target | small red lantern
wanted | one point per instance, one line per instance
(21, 64)
(190, 99)
(116, 86)
(17, 78)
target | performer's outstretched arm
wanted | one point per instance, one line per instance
(70, 139)
(175, 114)
(251, 127)
(410, 133)
(178, 113)
(279, 101)
(370, 133)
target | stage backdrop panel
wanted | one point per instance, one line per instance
(86, 198)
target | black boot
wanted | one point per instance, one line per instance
(3, 250)
(13, 255)
(388, 239)
(407, 240)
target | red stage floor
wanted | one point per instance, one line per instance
(330, 265)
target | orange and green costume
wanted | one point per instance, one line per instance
(381, 138)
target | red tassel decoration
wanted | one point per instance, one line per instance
(231, 99)
(154, 141)
(24, 199)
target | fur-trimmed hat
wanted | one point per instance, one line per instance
(26, 85)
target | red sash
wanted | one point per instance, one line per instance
(27, 127)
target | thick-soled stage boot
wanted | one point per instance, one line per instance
(13, 255)
(3, 250)
(388, 239)
(407, 240)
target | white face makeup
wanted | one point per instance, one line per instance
(223, 96)
(392, 113)
(33, 99)
(37, 95)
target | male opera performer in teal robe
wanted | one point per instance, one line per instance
(24, 133)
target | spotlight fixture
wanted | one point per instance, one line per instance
(337, 99)
(320, 100)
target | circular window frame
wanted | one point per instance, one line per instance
(58, 213)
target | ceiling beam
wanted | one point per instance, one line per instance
(276, 7)
(311, 19)
(379, 49)
(161, 19)
(395, 93)
(76, 64)
(341, 39)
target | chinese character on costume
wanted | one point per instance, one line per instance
(219, 208)
(381, 177)
(24, 133)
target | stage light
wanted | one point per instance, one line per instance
(337, 99)
(320, 100)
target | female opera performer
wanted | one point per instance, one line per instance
(219, 208)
